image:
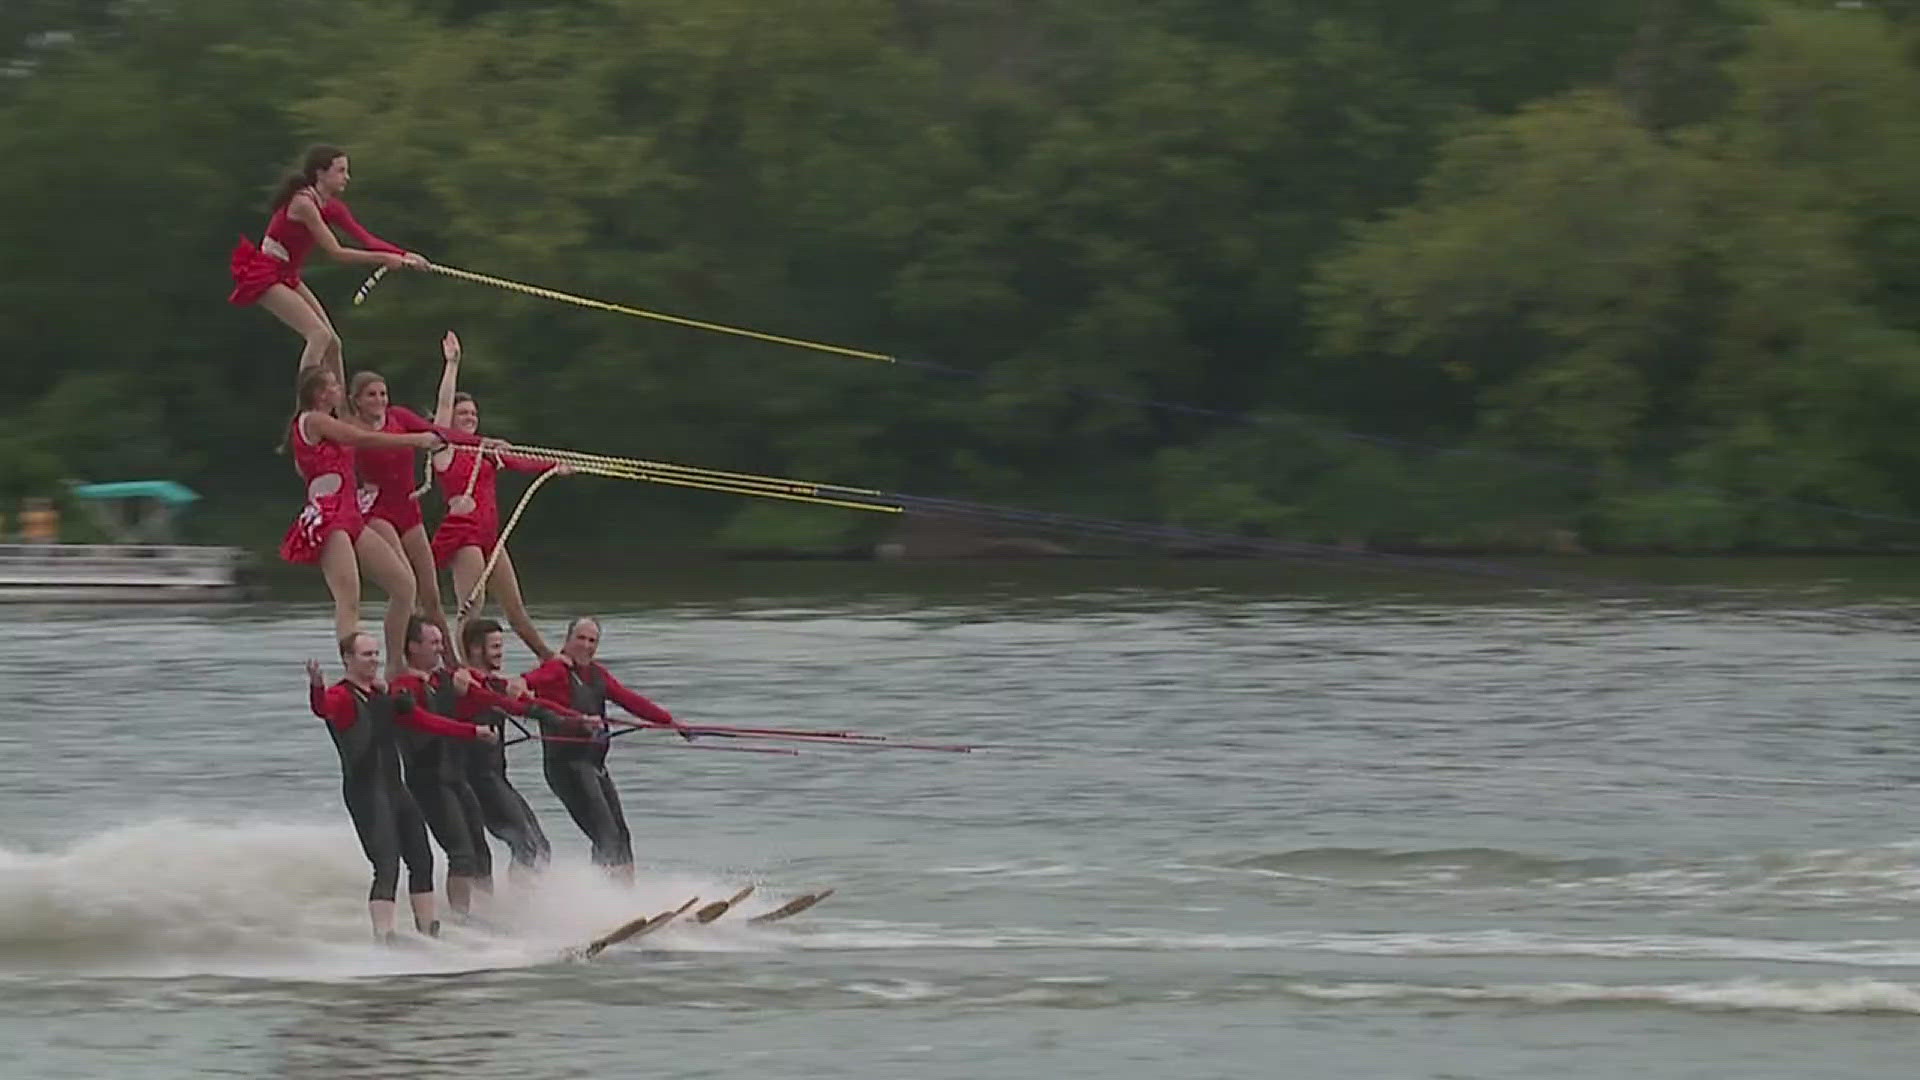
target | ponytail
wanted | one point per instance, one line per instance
(318, 159)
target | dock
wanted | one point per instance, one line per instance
(120, 573)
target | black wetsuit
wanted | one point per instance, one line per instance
(384, 815)
(435, 767)
(502, 807)
(577, 773)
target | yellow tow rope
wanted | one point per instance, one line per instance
(360, 297)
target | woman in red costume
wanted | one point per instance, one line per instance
(331, 528)
(466, 537)
(387, 477)
(307, 203)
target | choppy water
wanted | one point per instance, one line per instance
(1224, 831)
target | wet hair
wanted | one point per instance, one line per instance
(360, 381)
(348, 640)
(305, 390)
(474, 634)
(316, 160)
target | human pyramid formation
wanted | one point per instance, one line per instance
(422, 747)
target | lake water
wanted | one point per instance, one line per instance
(1229, 821)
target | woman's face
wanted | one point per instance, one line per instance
(326, 397)
(371, 401)
(466, 417)
(333, 179)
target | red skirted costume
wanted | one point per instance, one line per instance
(259, 268)
(472, 474)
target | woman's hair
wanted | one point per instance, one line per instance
(318, 159)
(311, 379)
(361, 380)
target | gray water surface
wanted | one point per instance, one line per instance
(1228, 823)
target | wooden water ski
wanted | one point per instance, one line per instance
(646, 924)
(792, 907)
(721, 907)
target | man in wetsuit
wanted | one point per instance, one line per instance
(361, 717)
(435, 767)
(576, 767)
(506, 813)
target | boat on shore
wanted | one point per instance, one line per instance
(143, 564)
(68, 573)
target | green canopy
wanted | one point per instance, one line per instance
(165, 490)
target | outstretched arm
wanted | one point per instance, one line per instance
(413, 423)
(336, 213)
(520, 463)
(412, 715)
(303, 210)
(638, 705)
(332, 427)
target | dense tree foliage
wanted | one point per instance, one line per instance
(1636, 273)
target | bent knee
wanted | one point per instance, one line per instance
(324, 337)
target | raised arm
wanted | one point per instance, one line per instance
(303, 210)
(443, 401)
(334, 704)
(449, 379)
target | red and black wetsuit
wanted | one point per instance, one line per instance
(505, 810)
(576, 770)
(435, 766)
(362, 726)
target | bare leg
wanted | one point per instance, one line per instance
(382, 562)
(505, 580)
(466, 566)
(382, 913)
(308, 320)
(426, 584)
(423, 916)
(335, 357)
(342, 571)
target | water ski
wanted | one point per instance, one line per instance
(792, 907)
(720, 907)
(646, 924)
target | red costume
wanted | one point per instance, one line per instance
(257, 269)
(388, 471)
(473, 473)
(340, 505)
(333, 504)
